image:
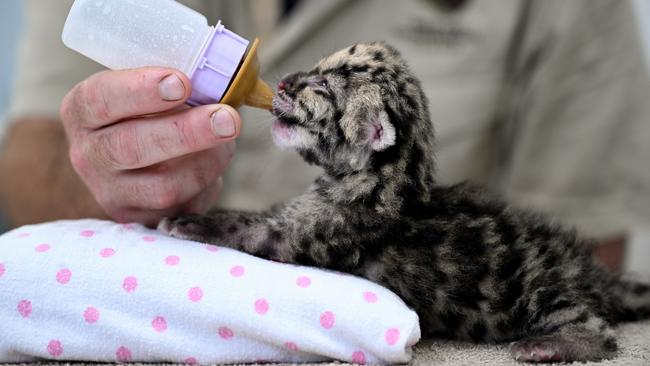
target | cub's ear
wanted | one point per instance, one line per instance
(365, 123)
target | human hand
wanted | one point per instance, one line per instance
(141, 152)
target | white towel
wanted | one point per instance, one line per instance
(100, 291)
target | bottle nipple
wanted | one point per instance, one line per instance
(245, 87)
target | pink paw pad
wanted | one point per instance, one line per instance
(535, 352)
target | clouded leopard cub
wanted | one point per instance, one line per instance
(472, 267)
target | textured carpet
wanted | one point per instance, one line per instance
(633, 338)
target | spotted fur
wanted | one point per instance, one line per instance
(471, 266)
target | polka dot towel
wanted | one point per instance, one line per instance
(100, 291)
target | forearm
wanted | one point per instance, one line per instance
(37, 181)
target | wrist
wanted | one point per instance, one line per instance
(38, 182)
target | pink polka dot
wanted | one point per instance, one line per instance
(42, 248)
(195, 294)
(129, 284)
(63, 276)
(172, 260)
(237, 271)
(23, 235)
(149, 239)
(370, 297)
(359, 357)
(191, 361)
(123, 354)
(211, 248)
(25, 308)
(107, 252)
(91, 315)
(291, 346)
(392, 336)
(226, 333)
(87, 233)
(261, 306)
(303, 281)
(327, 319)
(55, 348)
(159, 324)
(2, 269)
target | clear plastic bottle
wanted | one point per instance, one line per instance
(122, 34)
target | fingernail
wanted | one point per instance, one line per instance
(223, 125)
(171, 88)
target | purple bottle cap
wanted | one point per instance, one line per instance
(216, 65)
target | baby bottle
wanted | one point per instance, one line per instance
(121, 34)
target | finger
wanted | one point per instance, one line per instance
(205, 200)
(147, 141)
(198, 205)
(173, 183)
(110, 96)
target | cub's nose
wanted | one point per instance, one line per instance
(289, 82)
(283, 85)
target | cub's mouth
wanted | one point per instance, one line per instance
(282, 104)
(284, 128)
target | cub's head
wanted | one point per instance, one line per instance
(357, 108)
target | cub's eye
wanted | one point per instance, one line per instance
(320, 82)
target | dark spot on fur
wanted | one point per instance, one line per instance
(512, 291)
(478, 331)
(359, 68)
(610, 345)
(469, 242)
(510, 264)
(452, 320)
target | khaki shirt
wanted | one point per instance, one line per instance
(545, 102)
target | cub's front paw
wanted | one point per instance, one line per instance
(535, 351)
(184, 227)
